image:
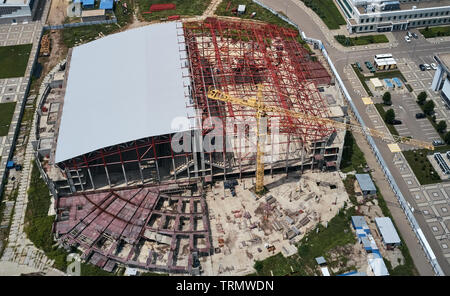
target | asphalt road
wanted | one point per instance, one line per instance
(417, 49)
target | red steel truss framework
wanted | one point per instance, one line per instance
(233, 56)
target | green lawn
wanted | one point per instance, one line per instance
(314, 244)
(362, 40)
(327, 11)
(84, 34)
(352, 157)
(390, 74)
(183, 7)
(38, 225)
(6, 114)
(362, 79)
(421, 166)
(391, 127)
(13, 60)
(435, 32)
(262, 14)
(349, 184)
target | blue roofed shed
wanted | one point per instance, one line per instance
(353, 273)
(366, 184)
(86, 3)
(320, 260)
(366, 244)
(106, 4)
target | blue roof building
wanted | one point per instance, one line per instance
(366, 184)
(358, 222)
(106, 4)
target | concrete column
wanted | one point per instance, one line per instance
(90, 177)
(107, 174)
(124, 174)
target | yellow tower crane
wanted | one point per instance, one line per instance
(262, 109)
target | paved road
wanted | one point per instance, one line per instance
(418, 50)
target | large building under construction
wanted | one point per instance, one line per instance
(124, 93)
(106, 134)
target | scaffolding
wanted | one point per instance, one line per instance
(231, 56)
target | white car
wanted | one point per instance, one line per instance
(433, 66)
(407, 39)
(428, 67)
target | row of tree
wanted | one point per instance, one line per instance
(428, 109)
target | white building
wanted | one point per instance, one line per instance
(441, 80)
(17, 11)
(387, 15)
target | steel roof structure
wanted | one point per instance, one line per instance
(123, 87)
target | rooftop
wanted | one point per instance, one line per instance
(358, 221)
(125, 86)
(445, 59)
(387, 230)
(409, 6)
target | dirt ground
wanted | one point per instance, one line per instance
(242, 227)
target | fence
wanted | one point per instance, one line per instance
(401, 199)
(58, 27)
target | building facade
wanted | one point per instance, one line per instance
(17, 11)
(385, 16)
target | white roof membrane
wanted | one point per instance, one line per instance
(123, 87)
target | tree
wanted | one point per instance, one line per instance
(387, 98)
(428, 108)
(447, 137)
(421, 98)
(441, 126)
(389, 116)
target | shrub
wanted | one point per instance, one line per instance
(441, 126)
(421, 98)
(389, 116)
(428, 108)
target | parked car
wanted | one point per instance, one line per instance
(438, 142)
(428, 67)
(409, 34)
(433, 66)
(407, 39)
(420, 115)
(358, 65)
(396, 122)
(422, 67)
(415, 36)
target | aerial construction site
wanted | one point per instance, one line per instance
(125, 197)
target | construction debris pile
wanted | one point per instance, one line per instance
(246, 228)
(44, 51)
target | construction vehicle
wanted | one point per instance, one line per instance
(262, 110)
